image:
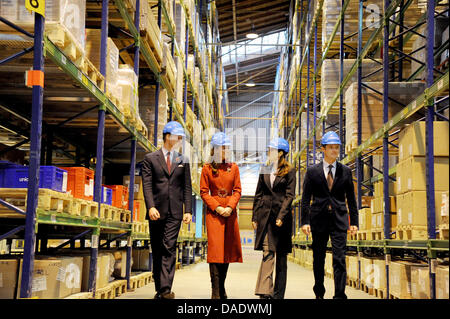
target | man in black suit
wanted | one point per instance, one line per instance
(167, 185)
(329, 184)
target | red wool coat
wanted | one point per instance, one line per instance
(223, 189)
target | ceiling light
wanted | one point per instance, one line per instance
(250, 83)
(251, 35)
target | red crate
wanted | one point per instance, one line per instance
(120, 196)
(80, 182)
(136, 210)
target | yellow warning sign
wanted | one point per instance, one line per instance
(36, 6)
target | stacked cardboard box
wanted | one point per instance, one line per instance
(352, 267)
(442, 282)
(147, 112)
(330, 15)
(68, 16)
(127, 83)
(400, 94)
(93, 40)
(420, 282)
(330, 77)
(400, 281)
(411, 178)
(52, 278)
(303, 123)
(377, 210)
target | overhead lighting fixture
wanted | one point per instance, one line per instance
(250, 83)
(252, 35)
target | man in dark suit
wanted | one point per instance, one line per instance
(167, 186)
(329, 184)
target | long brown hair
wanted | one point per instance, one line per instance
(283, 165)
(214, 166)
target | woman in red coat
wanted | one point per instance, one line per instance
(220, 189)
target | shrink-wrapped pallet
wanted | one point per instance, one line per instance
(68, 14)
(147, 112)
(93, 40)
(128, 84)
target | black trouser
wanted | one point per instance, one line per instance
(163, 240)
(339, 246)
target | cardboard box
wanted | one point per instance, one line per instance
(366, 271)
(412, 209)
(377, 221)
(120, 263)
(412, 140)
(8, 278)
(69, 275)
(400, 278)
(138, 187)
(442, 282)
(45, 283)
(365, 219)
(352, 263)
(103, 271)
(411, 174)
(378, 278)
(93, 38)
(420, 282)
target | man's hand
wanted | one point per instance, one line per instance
(153, 213)
(220, 210)
(255, 225)
(279, 223)
(353, 230)
(227, 211)
(187, 217)
(306, 229)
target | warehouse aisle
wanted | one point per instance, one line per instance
(193, 282)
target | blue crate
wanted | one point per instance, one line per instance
(109, 194)
(4, 165)
(50, 177)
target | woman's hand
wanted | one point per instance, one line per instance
(279, 223)
(255, 225)
(227, 211)
(220, 210)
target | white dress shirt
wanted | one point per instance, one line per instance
(273, 176)
(326, 169)
(165, 151)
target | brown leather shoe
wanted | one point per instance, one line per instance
(168, 295)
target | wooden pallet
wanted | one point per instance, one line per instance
(119, 287)
(87, 208)
(393, 297)
(66, 42)
(110, 213)
(379, 293)
(104, 293)
(88, 68)
(377, 235)
(125, 216)
(80, 295)
(352, 283)
(367, 289)
(114, 100)
(48, 200)
(410, 232)
(443, 232)
(352, 145)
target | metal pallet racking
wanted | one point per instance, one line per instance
(44, 48)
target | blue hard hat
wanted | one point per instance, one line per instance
(174, 128)
(220, 139)
(330, 138)
(279, 144)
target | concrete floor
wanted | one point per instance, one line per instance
(193, 282)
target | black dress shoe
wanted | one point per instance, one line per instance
(168, 295)
(265, 297)
(319, 297)
(157, 296)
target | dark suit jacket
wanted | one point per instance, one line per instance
(270, 204)
(315, 186)
(166, 190)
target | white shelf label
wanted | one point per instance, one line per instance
(94, 241)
